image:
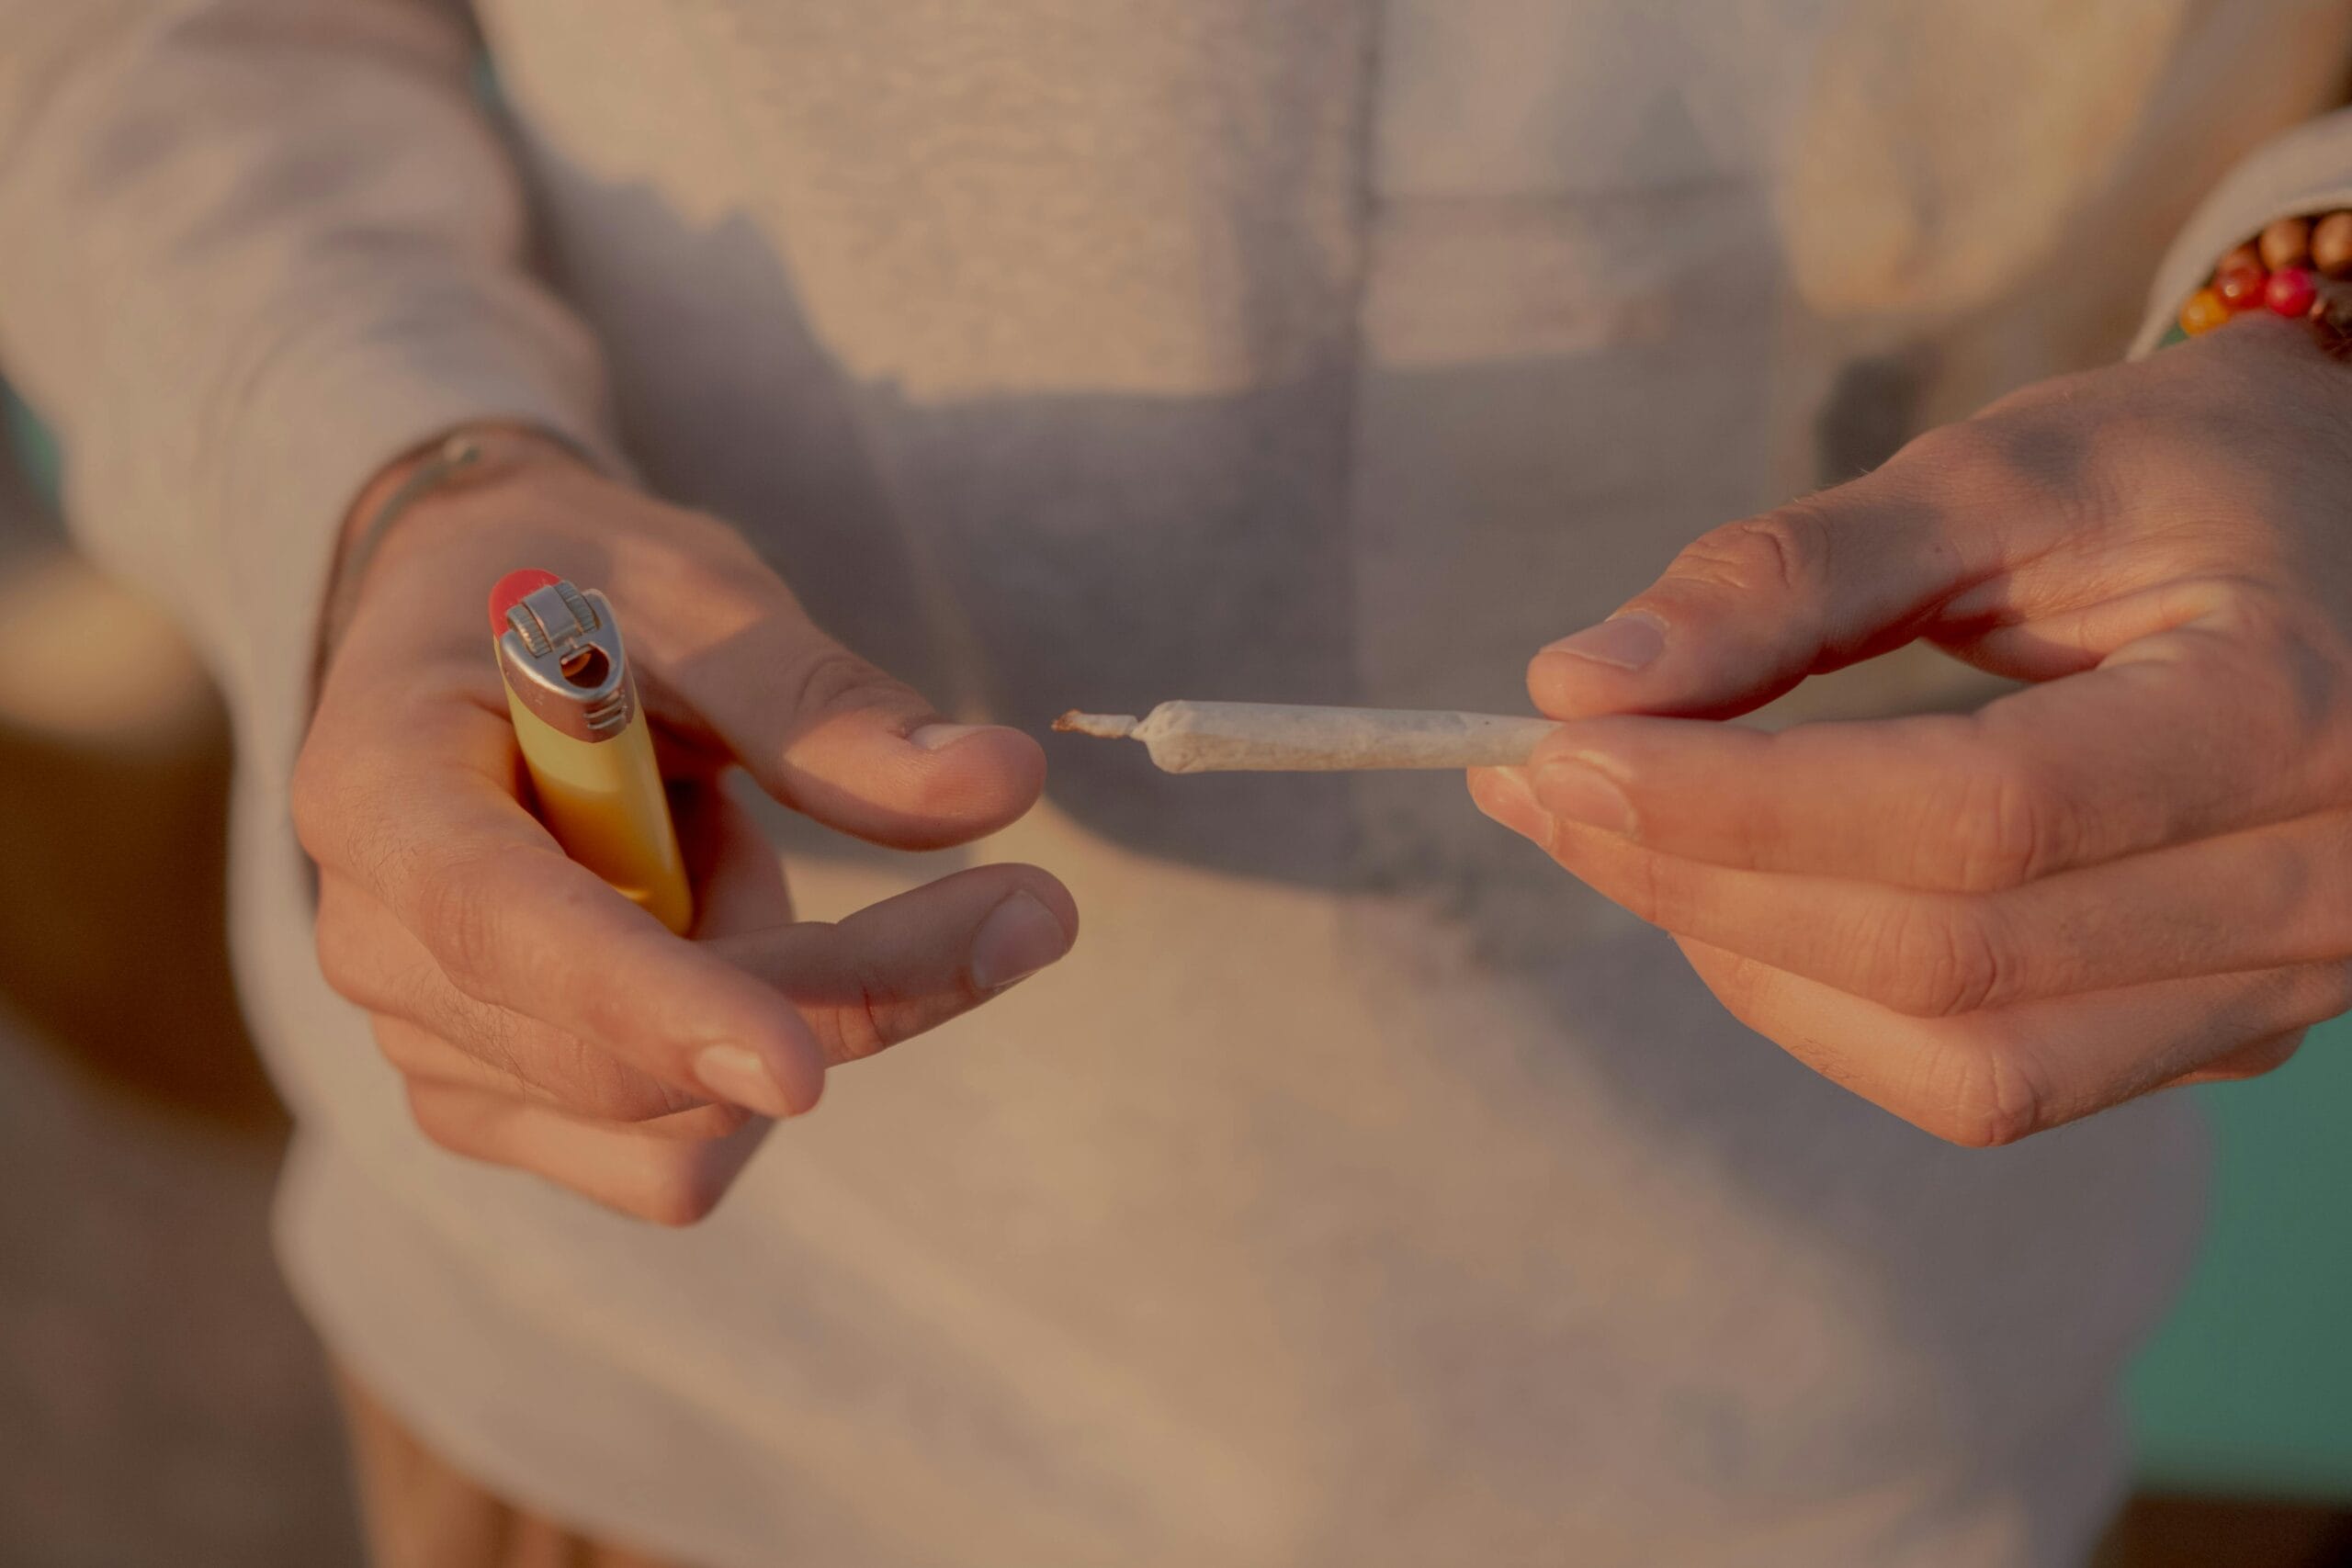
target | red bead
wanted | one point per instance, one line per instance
(2240, 287)
(2291, 291)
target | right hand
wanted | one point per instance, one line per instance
(541, 1020)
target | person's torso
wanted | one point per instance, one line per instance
(1361, 1189)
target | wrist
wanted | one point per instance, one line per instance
(506, 451)
(473, 462)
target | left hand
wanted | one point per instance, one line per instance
(2135, 872)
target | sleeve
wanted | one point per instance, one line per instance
(250, 252)
(2308, 170)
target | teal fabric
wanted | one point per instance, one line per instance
(29, 444)
(2248, 1387)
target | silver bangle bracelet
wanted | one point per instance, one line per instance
(451, 457)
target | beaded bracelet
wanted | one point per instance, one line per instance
(2279, 271)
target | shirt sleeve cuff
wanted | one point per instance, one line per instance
(2305, 172)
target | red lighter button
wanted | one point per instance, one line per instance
(511, 590)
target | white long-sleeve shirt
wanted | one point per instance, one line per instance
(1360, 1191)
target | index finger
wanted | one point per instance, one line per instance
(819, 728)
(432, 828)
(2180, 736)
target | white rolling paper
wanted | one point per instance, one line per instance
(1206, 738)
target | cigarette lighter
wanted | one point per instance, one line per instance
(585, 739)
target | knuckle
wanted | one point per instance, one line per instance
(2005, 828)
(827, 677)
(344, 943)
(1779, 552)
(1962, 454)
(1983, 1096)
(863, 1025)
(458, 917)
(348, 805)
(1961, 448)
(537, 1061)
(1658, 897)
(493, 1037)
(696, 551)
(2024, 446)
(1939, 958)
(854, 1011)
(1648, 892)
(2226, 602)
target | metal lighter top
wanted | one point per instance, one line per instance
(561, 652)
(585, 739)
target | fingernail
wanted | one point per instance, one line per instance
(1582, 792)
(1019, 938)
(1509, 801)
(939, 736)
(1630, 641)
(737, 1076)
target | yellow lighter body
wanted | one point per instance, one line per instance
(603, 802)
(586, 742)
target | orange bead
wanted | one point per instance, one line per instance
(2247, 254)
(2203, 313)
(2332, 244)
(2286, 243)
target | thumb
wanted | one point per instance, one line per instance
(1748, 611)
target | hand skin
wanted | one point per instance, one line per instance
(2135, 872)
(539, 1019)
